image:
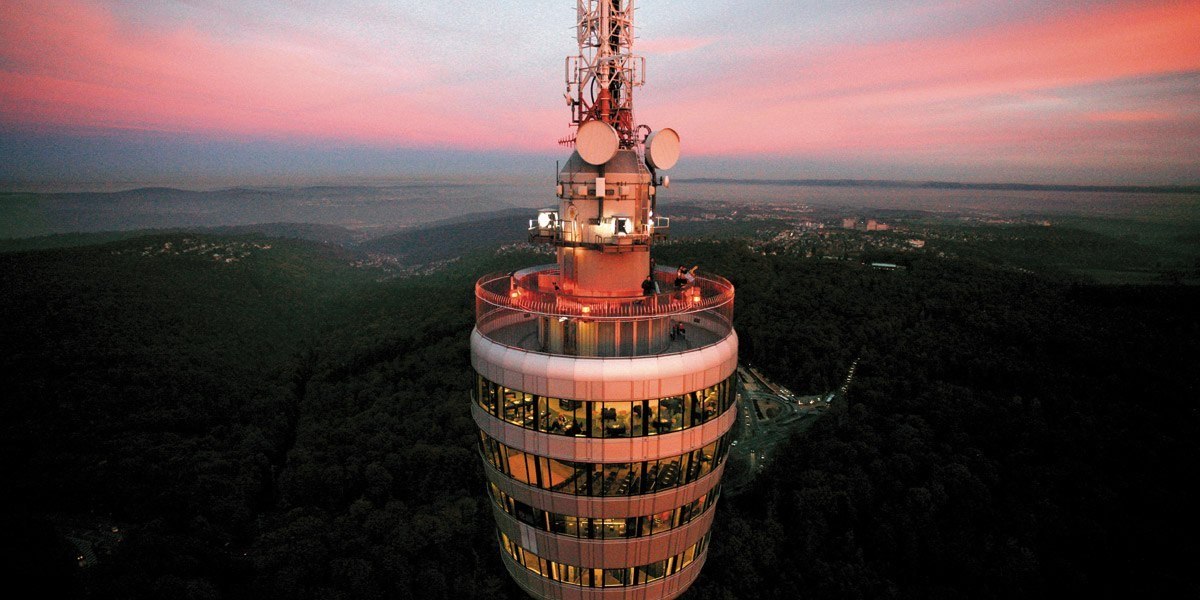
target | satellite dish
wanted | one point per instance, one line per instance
(597, 142)
(662, 149)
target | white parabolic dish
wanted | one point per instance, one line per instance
(662, 148)
(596, 142)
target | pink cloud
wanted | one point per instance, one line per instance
(1128, 116)
(946, 95)
(672, 45)
(985, 93)
(73, 64)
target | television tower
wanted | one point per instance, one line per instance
(605, 391)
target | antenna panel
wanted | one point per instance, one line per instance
(597, 142)
(662, 149)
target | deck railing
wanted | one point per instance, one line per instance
(524, 309)
(525, 291)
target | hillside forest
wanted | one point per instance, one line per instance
(279, 423)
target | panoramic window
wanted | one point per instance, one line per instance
(585, 577)
(600, 529)
(603, 479)
(562, 416)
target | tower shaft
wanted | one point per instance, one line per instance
(605, 386)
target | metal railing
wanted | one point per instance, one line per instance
(525, 310)
(525, 291)
(571, 231)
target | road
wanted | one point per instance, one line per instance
(758, 433)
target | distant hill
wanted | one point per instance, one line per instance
(327, 234)
(955, 185)
(313, 232)
(453, 237)
(422, 243)
(373, 210)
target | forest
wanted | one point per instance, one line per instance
(282, 425)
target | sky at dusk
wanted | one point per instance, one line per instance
(214, 92)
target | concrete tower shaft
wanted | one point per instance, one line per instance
(605, 385)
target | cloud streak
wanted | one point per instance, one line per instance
(1039, 91)
(73, 64)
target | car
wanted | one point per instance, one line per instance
(734, 443)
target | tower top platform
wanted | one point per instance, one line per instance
(535, 290)
(526, 311)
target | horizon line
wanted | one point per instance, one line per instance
(9, 188)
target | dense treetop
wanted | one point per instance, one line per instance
(285, 426)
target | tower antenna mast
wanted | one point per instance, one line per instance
(601, 77)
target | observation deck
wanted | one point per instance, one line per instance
(528, 310)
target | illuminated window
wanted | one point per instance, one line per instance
(603, 479)
(597, 528)
(585, 577)
(560, 416)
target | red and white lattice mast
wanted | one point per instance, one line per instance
(601, 77)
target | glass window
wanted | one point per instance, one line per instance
(585, 528)
(688, 556)
(616, 479)
(560, 475)
(559, 415)
(572, 526)
(643, 526)
(660, 522)
(604, 419)
(586, 577)
(655, 571)
(615, 416)
(603, 479)
(690, 414)
(615, 578)
(607, 529)
(632, 484)
(530, 560)
(650, 479)
(549, 481)
(571, 575)
(671, 413)
(578, 426)
(712, 402)
(583, 479)
(537, 408)
(516, 466)
(637, 424)
(595, 419)
(656, 422)
(525, 513)
(668, 473)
